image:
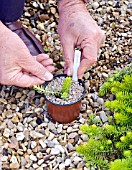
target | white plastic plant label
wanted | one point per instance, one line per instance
(77, 58)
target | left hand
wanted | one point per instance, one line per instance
(77, 28)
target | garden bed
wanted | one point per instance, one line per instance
(29, 137)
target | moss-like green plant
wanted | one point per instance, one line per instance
(116, 77)
(64, 93)
(110, 146)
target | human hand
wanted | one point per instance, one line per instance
(17, 66)
(77, 28)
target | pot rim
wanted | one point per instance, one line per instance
(65, 75)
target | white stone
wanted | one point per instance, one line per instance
(6, 132)
(59, 129)
(39, 155)
(82, 120)
(4, 158)
(54, 151)
(51, 126)
(33, 144)
(62, 166)
(35, 166)
(13, 159)
(20, 127)
(72, 135)
(60, 148)
(20, 136)
(42, 144)
(77, 159)
(67, 162)
(95, 5)
(69, 129)
(35, 135)
(40, 161)
(33, 158)
(51, 136)
(35, 4)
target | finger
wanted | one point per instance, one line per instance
(41, 57)
(68, 48)
(50, 68)
(101, 39)
(27, 80)
(47, 62)
(32, 66)
(89, 56)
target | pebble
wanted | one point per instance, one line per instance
(95, 5)
(20, 127)
(69, 146)
(55, 151)
(51, 144)
(23, 161)
(14, 165)
(40, 26)
(100, 101)
(82, 120)
(24, 111)
(7, 132)
(59, 129)
(51, 136)
(60, 148)
(33, 144)
(13, 159)
(62, 166)
(20, 136)
(67, 162)
(84, 137)
(33, 158)
(40, 161)
(103, 116)
(77, 160)
(42, 143)
(51, 126)
(69, 129)
(14, 143)
(72, 135)
(35, 134)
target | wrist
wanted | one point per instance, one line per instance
(3, 29)
(66, 5)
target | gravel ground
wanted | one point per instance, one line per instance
(29, 138)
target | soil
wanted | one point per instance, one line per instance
(75, 92)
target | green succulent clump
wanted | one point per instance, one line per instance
(110, 146)
(64, 93)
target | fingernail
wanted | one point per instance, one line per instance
(48, 76)
(69, 72)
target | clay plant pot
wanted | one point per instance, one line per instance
(65, 113)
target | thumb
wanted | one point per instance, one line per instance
(89, 57)
(35, 68)
(68, 49)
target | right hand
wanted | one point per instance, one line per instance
(77, 28)
(17, 66)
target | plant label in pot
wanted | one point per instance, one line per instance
(63, 97)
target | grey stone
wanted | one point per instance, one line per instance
(103, 116)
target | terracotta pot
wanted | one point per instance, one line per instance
(64, 113)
